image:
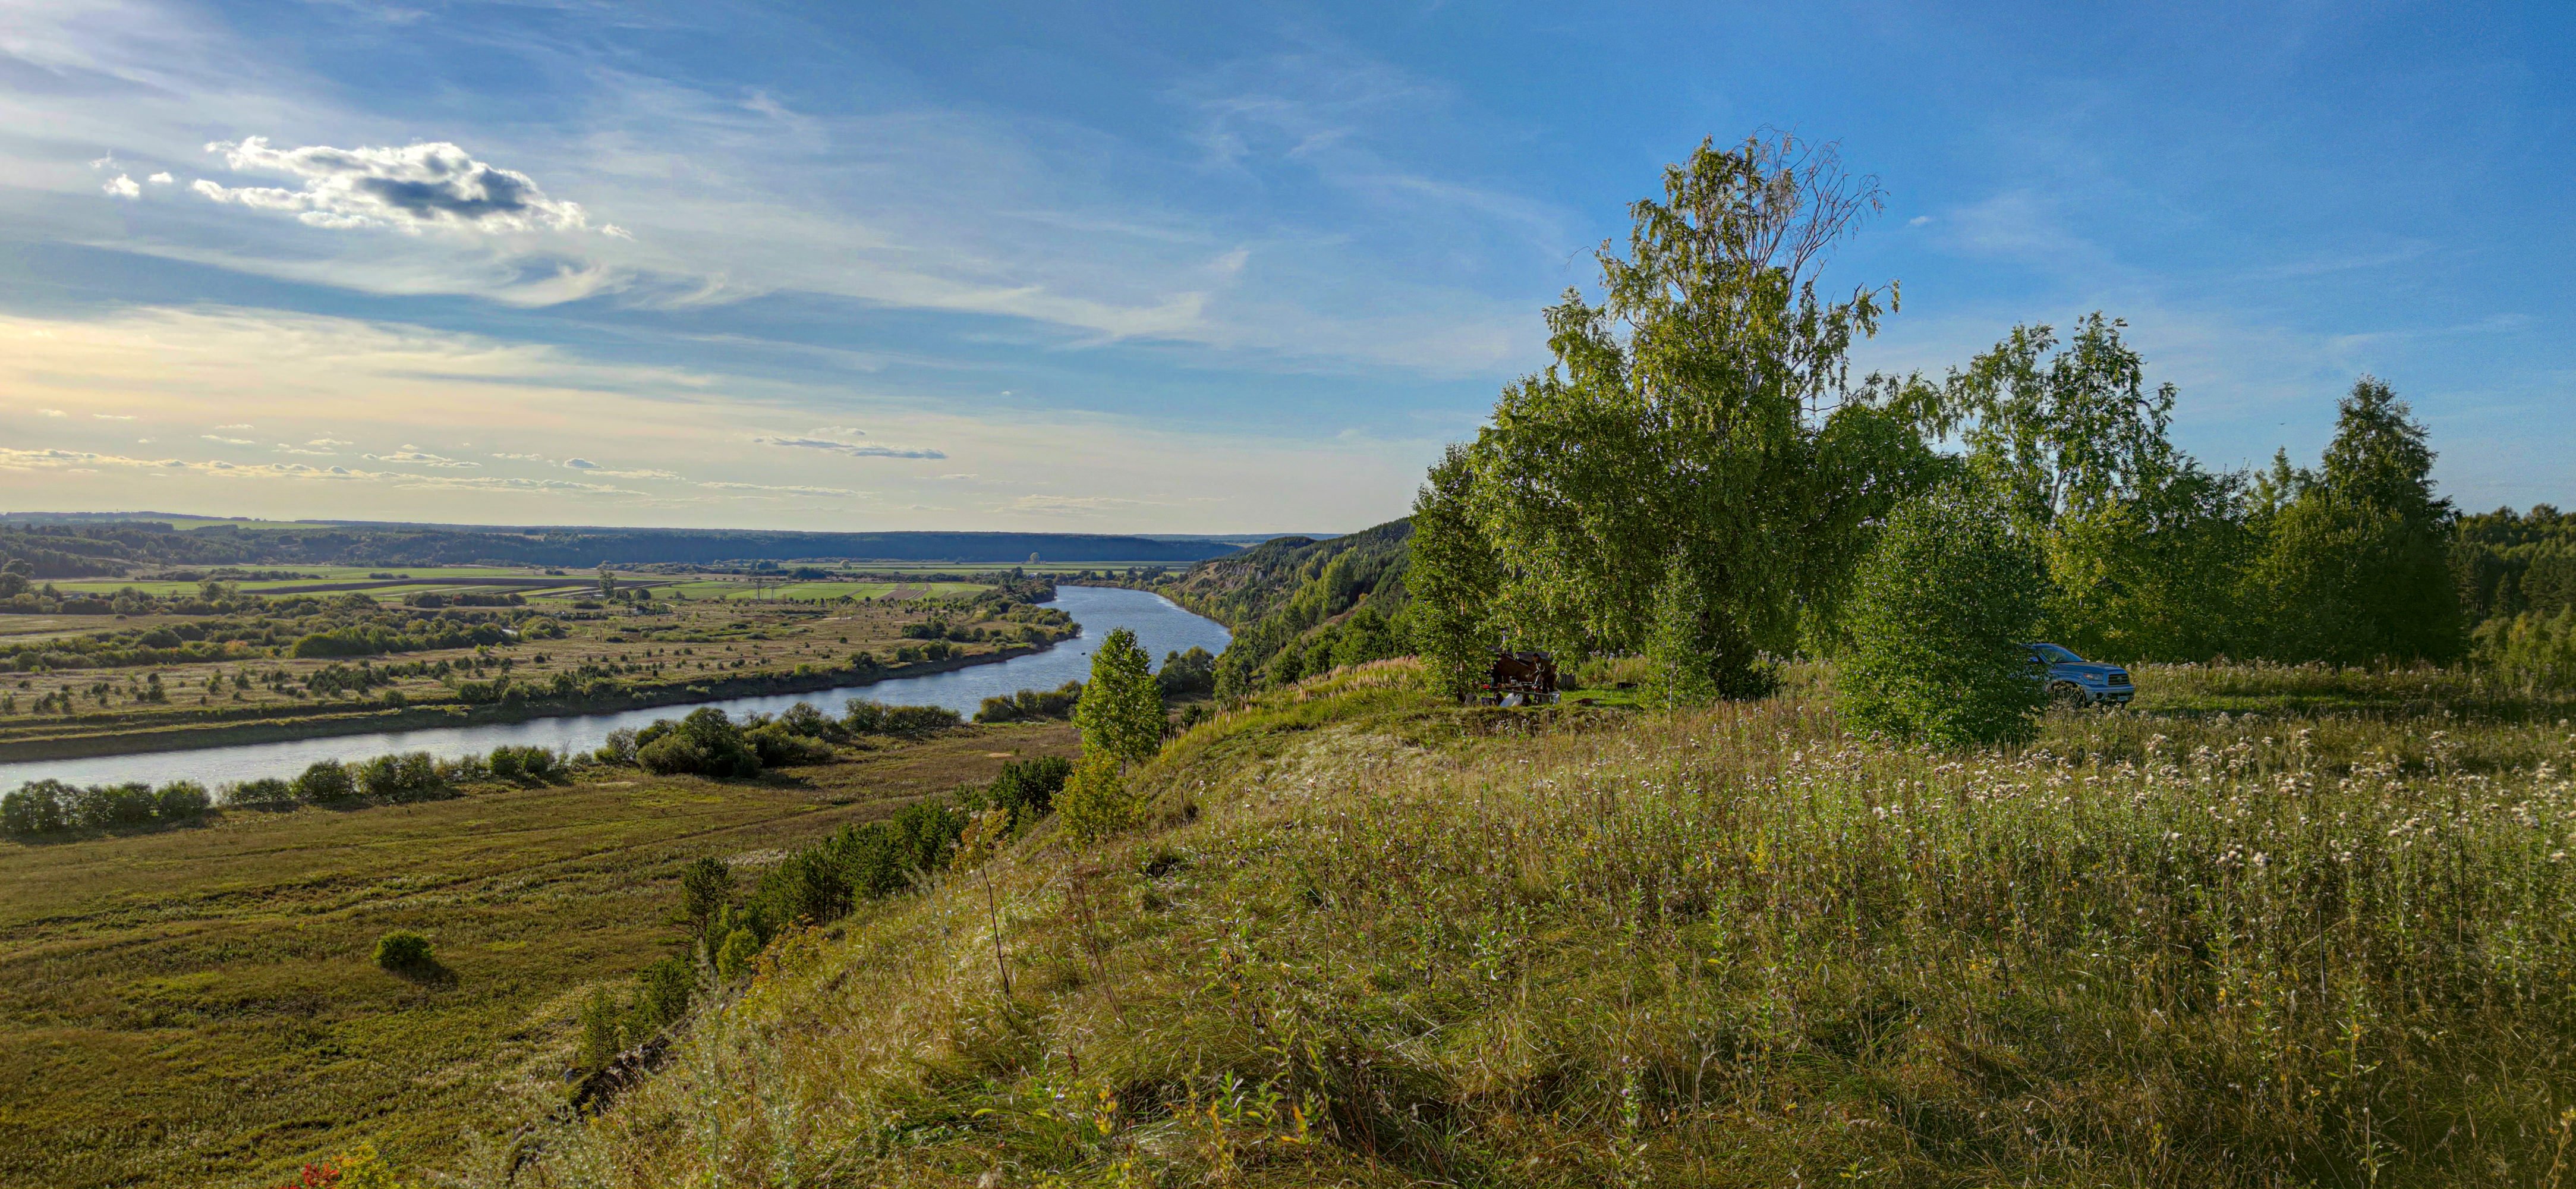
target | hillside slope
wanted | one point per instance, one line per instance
(1375, 940)
(1277, 592)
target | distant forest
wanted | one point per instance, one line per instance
(80, 547)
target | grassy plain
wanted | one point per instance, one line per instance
(197, 1006)
(2269, 927)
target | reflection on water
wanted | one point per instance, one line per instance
(1160, 626)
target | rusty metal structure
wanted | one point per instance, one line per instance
(1519, 679)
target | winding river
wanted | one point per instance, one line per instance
(1160, 626)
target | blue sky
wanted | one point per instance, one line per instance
(1179, 268)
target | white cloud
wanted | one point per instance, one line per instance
(122, 186)
(53, 413)
(416, 187)
(327, 443)
(113, 416)
(228, 441)
(160, 179)
(853, 449)
(419, 458)
(580, 464)
(787, 489)
(238, 425)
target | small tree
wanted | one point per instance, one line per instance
(705, 887)
(1942, 609)
(1121, 711)
(1679, 647)
(1096, 801)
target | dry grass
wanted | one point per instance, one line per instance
(1376, 941)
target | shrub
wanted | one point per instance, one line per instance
(1096, 801)
(1028, 788)
(662, 995)
(412, 776)
(705, 743)
(619, 749)
(803, 719)
(181, 801)
(602, 1028)
(674, 754)
(778, 747)
(526, 763)
(403, 950)
(1939, 614)
(325, 782)
(267, 792)
(741, 948)
(1033, 704)
(863, 717)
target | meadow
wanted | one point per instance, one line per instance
(197, 1006)
(2272, 926)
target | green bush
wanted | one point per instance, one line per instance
(1028, 788)
(2531, 647)
(705, 743)
(181, 801)
(325, 782)
(267, 792)
(741, 947)
(395, 779)
(863, 717)
(777, 746)
(1096, 801)
(1939, 613)
(404, 950)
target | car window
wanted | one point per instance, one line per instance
(2055, 655)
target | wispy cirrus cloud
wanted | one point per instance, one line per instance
(853, 449)
(420, 458)
(787, 489)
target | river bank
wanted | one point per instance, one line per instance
(112, 735)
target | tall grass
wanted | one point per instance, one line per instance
(1381, 941)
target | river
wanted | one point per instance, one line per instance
(1160, 626)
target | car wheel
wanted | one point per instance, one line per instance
(2067, 694)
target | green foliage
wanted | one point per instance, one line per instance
(2531, 647)
(405, 951)
(267, 792)
(1096, 801)
(2356, 565)
(1187, 674)
(326, 782)
(1275, 593)
(1454, 575)
(864, 717)
(1681, 649)
(602, 1030)
(1699, 417)
(1027, 789)
(705, 743)
(2509, 563)
(393, 779)
(1938, 616)
(734, 958)
(1121, 713)
(1032, 705)
(705, 887)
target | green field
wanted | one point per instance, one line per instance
(197, 1006)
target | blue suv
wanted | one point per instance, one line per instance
(2076, 682)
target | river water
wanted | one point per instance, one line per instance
(1160, 626)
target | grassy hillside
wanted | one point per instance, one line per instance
(1375, 940)
(198, 1006)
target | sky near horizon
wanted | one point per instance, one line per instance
(1183, 268)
